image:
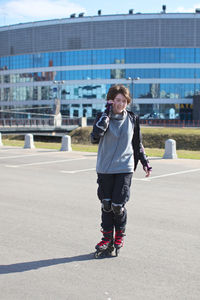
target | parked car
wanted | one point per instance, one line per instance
(153, 116)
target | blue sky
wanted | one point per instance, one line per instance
(21, 11)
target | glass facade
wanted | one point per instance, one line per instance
(84, 77)
(105, 56)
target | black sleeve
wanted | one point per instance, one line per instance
(139, 152)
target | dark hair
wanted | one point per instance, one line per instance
(118, 89)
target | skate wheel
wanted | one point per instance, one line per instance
(116, 252)
(97, 254)
(111, 249)
(103, 254)
(100, 254)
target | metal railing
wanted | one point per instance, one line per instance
(170, 123)
(67, 121)
(37, 122)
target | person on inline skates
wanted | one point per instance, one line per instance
(117, 131)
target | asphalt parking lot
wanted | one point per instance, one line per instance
(50, 224)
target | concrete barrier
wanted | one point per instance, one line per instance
(66, 143)
(29, 143)
(1, 144)
(83, 122)
(170, 149)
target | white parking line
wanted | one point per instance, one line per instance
(29, 155)
(137, 179)
(167, 175)
(17, 156)
(141, 179)
(77, 171)
(6, 150)
(44, 163)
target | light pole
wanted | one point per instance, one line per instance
(58, 84)
(59, 93)
(57, 119)
(133, 80)
(57, 100)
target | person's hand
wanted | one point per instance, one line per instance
(103, 121)
(147, 170)
(110, 101)
(109, 107)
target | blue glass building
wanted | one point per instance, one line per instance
(78, 59)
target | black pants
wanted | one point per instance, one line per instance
(116, 189)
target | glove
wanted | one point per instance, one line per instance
(103, 122)
(108, 109)
(147, 169)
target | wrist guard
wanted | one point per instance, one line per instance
(147, 167)
(108, 109)
(103, 122)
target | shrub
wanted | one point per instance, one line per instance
(186, 139)
(81, 135)
(183, 141)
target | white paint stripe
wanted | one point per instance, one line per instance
(17, 156)
(5, 150)
(141, 179)
(11, 166)
(176, 173)
(77, 171)
(44, 163)
(137, 179)
(30, 155)
(166, 175)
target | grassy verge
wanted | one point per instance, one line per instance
(189, 154)
(170, 130)
(152, 152)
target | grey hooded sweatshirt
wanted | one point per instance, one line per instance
(115, 152)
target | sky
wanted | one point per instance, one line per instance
(22, 11)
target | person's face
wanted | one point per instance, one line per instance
(119, 104)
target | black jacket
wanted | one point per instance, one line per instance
(138, 149)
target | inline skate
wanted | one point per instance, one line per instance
(105, 247)
(119, 240)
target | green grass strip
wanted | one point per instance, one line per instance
(151, 152)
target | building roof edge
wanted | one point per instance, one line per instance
(135, 16)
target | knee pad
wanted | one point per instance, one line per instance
(117, 209)
(106, 205)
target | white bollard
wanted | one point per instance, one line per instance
(83, 122)
(1, 144)
(66, 143)
(170, 149)
(29, 143)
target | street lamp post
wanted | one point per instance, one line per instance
(57, 105)
(58, 88)
(59, 92)
(133, 80)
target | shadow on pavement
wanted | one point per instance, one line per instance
(33, 265)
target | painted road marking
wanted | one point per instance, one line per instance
(78, 171)
(30, 155)
(17, 156)
(138, 179)
(6, 150)
(176, 173)
(167, 175)
(141, 179)
(44, 163)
